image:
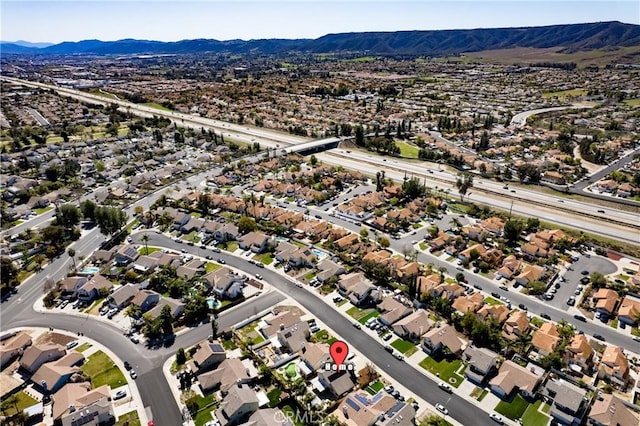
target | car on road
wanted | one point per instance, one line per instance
(120, 394)
(545, 316)
(585, 280)
(496, 418)
(584, 272)
(571, 301)
(357, 325)
(599, 337)
(635, 339)
(504, 287)
(523, 307)
(260, 264)
(133, 374)
(442, 409)
(134, 339)
(216, 250)
(388, 349)
(221, 261)
(258, 276)
(445, 387)
(580, 318)
(600, 211)
(127, 366)
(398, 356)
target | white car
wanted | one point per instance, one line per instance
(496, 418)
(442, 409)
(445, 387)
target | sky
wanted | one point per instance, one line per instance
(164, 20)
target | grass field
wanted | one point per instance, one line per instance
(143, 250)
(445, 369)
(407, 150)
(83, 347)
(533, 417)
(22, 401)
(211, 267)
(102, 371)
(129, 419)
(404, 347)
(266, 258)
(514, 409)
(492, 301)
(565, 93)
(157, 106)
(632, 102)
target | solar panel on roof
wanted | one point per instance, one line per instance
(216, 348)
(397, 407)
(377, 397)
(363, 399)
(353, 404)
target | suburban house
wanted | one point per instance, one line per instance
(52, 375)
(629, 310)
(208, 355)
(448, 291)
(122, 297)
(279, 322)
(498, 312)
(145, 299)
(228, 232)
(327, 268)
(510, 267)
(529, 273)
(443, 339)
(482, 364)
(413, 326)
(269, 417)
(225, 284)
(516, 325)
(513, 377)
(13, 346)
(579, 354)
(36, 355)
(605, 301)
(229, 373)
(239, 403)
(361, 409)
(315, 355)
(609, 410)
(77, 402)
(294, 337)
(546, 339)
(176, 306)
(356, 287)
(391, 310)
(568, 402)
(468, 303)
(69, 286)
(126, 254)
(255, 241)
(92, 289)
(614, 367)
(339, 383)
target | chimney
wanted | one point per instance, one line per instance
(72, 408)
(281, 326)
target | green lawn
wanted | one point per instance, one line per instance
(372, 314)
(565, 93)
(232, 246)
(405, 347)
(375, 387)
(191, 236)
(342, 302)
(632, 102)
(423, 246)
(250, 335)
(492, 301)
(445, 369)
(290, 413)
(274, 396)
(533, 417)
(407, 150)
(143, 250)
(266, 258)
(537, 322)
(323, 336)
(310, 275)
(211, 267)
(514, 409)
(205, 406)
(83, 347)
(23, 401)
(130, 419)
(42, 210)
(102, 371)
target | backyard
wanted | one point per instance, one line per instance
(444, 369)
(533, 416)
(21, 401)
(129, 419)
(102, 371)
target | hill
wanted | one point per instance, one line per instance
(565, 38)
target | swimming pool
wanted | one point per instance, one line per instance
(319, 253)
(213, 303)
(90, 270)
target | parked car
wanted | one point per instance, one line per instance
(398, 356)
(216, 250)
(545, 316)
(120, 394)
(504, 287)
(442, 409)
(133, 374)
(496, 418)
(258, 276)
(134, 339)
(522, 306)
(445, 387)
(337, 299)
(72, 345)
(388, 349)
(571, 301)
(221, 261)
(599, 337)
(357, 325)
(580, 318)
(260, 264)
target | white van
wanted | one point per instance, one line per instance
(72, 345)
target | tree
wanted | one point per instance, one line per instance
(359, 136)
(145, 240)
(67, 215)
(138, 210)
(166, 320)
(313, 160)
(214, 327)
(204, 204)
(512, 230)
(88, 210)
(364, 234)
(384, 242)
(195, 309)
(110, 219)
(412, 189)
(246, 224)
(536, 287)
(598, 280)
(72, 253)
(181, 358)
(464, 182)
(379, 181)
(459, 276)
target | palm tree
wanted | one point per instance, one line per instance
(145, 240)
(72, 253)
(442, 271)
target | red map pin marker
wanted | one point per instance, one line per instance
(338, 351)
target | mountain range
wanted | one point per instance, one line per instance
(567, 38)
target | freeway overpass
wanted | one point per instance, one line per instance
(316, 145)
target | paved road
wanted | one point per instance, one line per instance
(520, 119)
